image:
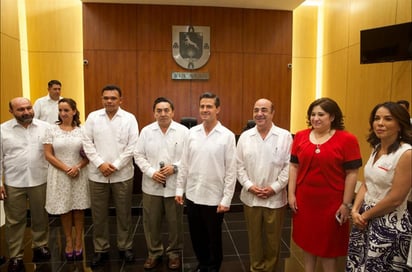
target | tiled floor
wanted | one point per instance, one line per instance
(236, 257)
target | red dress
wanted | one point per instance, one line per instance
(319, 192)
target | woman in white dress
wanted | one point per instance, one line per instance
(67, 188)
(381, 236)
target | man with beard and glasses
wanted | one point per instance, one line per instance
(23, 168)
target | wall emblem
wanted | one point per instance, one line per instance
(191, 46)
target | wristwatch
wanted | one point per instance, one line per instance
(175, 169)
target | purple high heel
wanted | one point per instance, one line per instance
(69, 256)
(78, 255)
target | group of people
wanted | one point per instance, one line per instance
(63, 168)
(323, 172)
(40, 164)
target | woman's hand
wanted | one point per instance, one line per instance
(73, 171)
(358, 220)
(344, 213)
(292, 203)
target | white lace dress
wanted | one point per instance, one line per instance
(63, 192)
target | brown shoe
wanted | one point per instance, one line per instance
(174, 263)
(151, 262)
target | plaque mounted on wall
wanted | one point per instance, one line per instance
(191, 46)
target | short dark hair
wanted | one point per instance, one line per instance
(111, 87)
(163, 99)
(403, 102)
(73, 105)
(330, 106)
(211, 95)
(401, 116)
(54, 82)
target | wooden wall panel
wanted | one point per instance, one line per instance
(154, 25)
(229, 84)
(267, 31)
(269, 77)
(110, 67)
(226, 81)
(250, 50)
(109, 26)
(225, 27)
(154, 79)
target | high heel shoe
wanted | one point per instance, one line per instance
(78, 255)
(69, 256)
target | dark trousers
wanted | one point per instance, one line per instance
(205, 227)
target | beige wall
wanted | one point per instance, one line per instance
(10, 70)
(55, 38)
(303, 64)
(10, 77)
(41, 40)
(357, 88)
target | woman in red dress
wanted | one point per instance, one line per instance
(322, 178)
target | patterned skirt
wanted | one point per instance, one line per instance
(383, 245)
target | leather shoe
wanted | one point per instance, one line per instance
(2, 260)
(99, 258)
(127, 255)
(15, 265)
(41, 254)
(197, 269)
(174, 263)
(151, 262)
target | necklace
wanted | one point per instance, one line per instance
(317, 150)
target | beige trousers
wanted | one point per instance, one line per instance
(156, 210)
(15, 208)
(264, 227)
(121, 195)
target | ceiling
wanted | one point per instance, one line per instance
(252, 4)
